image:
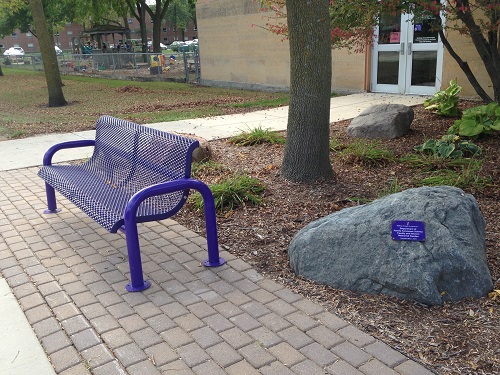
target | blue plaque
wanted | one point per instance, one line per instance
(408, 230)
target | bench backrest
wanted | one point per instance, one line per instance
(132, 156)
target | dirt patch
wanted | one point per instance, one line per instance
(456, 338)
(130, 89)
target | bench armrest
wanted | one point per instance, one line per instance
(137, 281)
(47, 158)
(170, 187)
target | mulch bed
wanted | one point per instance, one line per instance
(456, 338)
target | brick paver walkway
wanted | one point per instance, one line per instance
(69, 277)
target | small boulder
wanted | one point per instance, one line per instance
(385, 121)
(354, 249)
(203, 152)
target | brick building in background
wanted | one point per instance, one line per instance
(72, 32)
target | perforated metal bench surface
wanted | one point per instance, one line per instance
(135, 174)
(127, 158)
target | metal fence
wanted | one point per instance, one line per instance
(181, 67)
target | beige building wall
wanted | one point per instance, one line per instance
(236, 51)
(466, 50)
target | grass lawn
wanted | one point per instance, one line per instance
(24, 98)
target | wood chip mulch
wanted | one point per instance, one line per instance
(460, 337)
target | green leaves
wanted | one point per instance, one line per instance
(233, 192)
(257, 136)
(484, 119)
(449, 147)
(445, 103)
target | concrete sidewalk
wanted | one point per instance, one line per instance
(29, 152)
(68, 276)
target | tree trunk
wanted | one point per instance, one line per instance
(157, 16)
(1, 73)
(141, 8)
(465, 68)
(487, 49)
(46, 42)
(307, 156)
(156, 33)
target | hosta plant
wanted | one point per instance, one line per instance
(449, 146)
(484, 119)
(445, 102)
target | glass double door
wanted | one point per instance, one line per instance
(407, 56)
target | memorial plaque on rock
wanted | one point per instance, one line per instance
(408, 230)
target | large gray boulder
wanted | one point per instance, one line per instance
(353, 249)
(385, 121)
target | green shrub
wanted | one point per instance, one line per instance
(369, 153)
(483, 119)
(257, 136)
(449, 146)
(233, 193)
(466, 177)
(336, 145)
(428, 162)
(445, 103)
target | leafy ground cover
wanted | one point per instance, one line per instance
(456, 338)
(24, 112)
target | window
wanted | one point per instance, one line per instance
(14, 35)
(29, 35)
(30, 45)
(70, 32)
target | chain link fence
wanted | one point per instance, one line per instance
(180, 67)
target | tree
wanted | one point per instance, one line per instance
(307, 156)
(139, 12)
(192, 10)
(480, 21)
(157, 15)
(178, 15)
(353, 23)
(51, 67)
(17, 14)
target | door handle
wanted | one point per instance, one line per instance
(402, 50)
(409, 48)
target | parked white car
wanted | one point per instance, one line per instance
(14, 51)
(58, 50)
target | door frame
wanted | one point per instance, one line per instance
(405, 65)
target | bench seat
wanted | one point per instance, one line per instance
(96, 193)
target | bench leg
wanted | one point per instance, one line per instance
(211, 225)
(51, 200)
(137, 282)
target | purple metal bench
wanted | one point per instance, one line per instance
(136, 174)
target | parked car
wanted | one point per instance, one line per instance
(150, 45)
(14, 51)
(176, 45)
(58, 50)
